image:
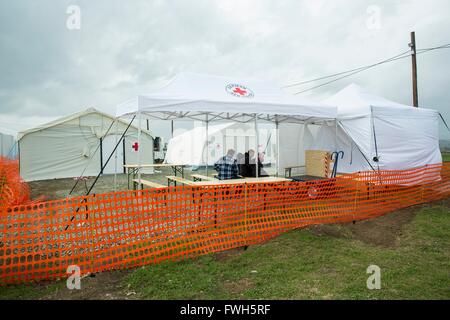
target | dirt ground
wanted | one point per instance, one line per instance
(60, 188)
(383, 231)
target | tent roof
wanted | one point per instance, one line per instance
(73, 117)
(205, 97)
(354, 101)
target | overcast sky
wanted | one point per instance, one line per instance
(124, 48)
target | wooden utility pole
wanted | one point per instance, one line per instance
(414, 69)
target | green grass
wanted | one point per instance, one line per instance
(446, 157)
(302, 265)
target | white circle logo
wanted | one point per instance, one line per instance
(240, 91)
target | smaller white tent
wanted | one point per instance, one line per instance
(371, 127)
(7, 146)
(190, 147)
(65, 147)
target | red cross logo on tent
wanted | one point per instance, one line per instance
(135, 146)
(240, 91)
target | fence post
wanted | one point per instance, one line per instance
(245, 212)
(356, 197)
(423, 184)
(91, 240)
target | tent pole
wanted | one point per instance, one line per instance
(115, 158)
(207, 144)
(335, 136)
(257, 146)
(278, 145)
(139, 148)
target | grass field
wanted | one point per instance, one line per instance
(446, 157)
(411, 246)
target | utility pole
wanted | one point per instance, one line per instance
(413, 47)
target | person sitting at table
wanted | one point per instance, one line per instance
(240, 162)
(247, 169)
(227, 167)
(261, 172)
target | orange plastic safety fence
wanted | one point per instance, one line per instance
(13, 190)
(127, 229)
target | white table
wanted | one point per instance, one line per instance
(133, 169)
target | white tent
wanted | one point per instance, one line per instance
(213, 98)
(67, 146)
(371, 127)
(190, 147)
(210, 98)
(7, 146)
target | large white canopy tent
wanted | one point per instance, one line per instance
(79, 144)
(371, 127)
(209, 98)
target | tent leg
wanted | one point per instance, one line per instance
(335, 136)
(278, 146)
(115, 158)
(207, 144)
(257, 146)
(139, 148)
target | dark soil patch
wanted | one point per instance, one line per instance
(101, 286)
(229, 254)
(383, 231)
(237, 288)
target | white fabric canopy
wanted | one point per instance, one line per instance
(401, 136)
(192, 147)
(205, 97)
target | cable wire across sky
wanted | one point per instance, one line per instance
(348, 73)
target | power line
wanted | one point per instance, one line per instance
(344, 72)
(348, 75)
(351, 72)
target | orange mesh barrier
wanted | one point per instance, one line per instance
(13, 190)
(134, 228)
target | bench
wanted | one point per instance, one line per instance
(288, 170)
(200, 177)
(181, 180)
(148, 184)
(216, 177)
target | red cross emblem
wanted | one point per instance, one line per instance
(135, 146)
(240, 91)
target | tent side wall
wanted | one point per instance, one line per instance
(406, 138)
(189, 148)
(66, 149)
(58, 152)
(353, 138)
(295, 139)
